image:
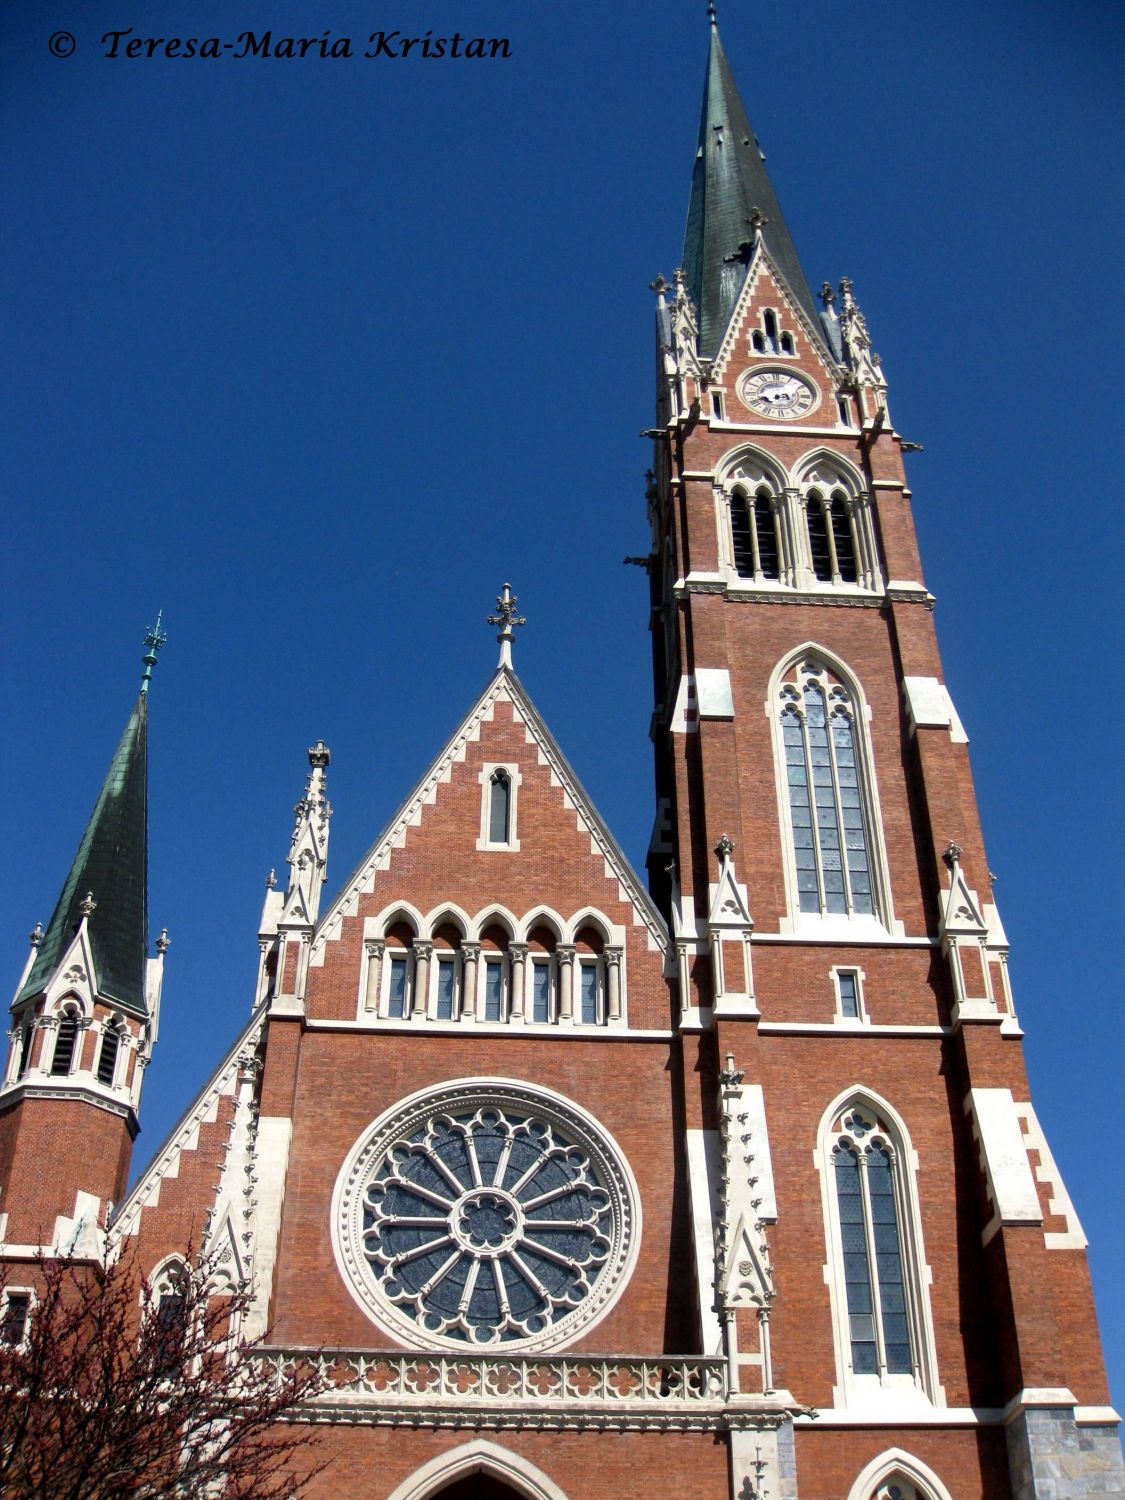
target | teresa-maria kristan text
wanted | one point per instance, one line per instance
(266, 44)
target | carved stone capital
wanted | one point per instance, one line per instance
(518, 952)
(374, 947)
(470, 952)
(423, 948)
(614, 956)
(566, 953)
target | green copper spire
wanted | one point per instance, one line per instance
(108, 881)
(732, 200)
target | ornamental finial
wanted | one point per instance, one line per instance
(154, 639)
(712, 13)
(88, 906)
(507, 619)
(725, 847)
(953, 853)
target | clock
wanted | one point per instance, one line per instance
(778, 393)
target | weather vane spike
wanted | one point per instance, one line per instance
(154, 639)
(507, 619)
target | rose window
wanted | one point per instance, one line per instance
(484, 1216)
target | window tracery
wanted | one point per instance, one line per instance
(485, 1213)
(875, 1247)
(828, 790)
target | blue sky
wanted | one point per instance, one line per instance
(314, 354)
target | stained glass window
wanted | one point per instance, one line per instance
(485, 1216)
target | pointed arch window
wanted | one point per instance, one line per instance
(838, 526)
(828, 794)
(108, 1053)
(499, 807)
(754, 534)
(878, 1278)
(66, 1042)
(26, 1036)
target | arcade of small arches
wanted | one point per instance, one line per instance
(812, 530)
(542, 969)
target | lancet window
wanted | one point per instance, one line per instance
(754, 534)
(838, 526)
(878, 1277)
(828, 788)
(66, 1043)
(108, 1052)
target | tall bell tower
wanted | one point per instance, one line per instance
(850, 1034)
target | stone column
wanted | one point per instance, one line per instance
(613, 959)
(374, 948)
(518, 953)
(565, 953)
(420, 995)
(470, 962)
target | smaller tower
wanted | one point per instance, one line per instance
(84, 1020)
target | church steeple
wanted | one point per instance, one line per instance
(107, 886)
(732, 201)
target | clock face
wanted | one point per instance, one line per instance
(778, 393)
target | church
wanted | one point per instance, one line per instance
(723, 1182)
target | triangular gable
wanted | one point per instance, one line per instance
(503, 685)
(728, 902)
(747, 1278)
(962, 914)
(762, 263)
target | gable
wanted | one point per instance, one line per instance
(562, 855)
(765, 289)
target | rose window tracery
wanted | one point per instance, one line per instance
(487, 1216)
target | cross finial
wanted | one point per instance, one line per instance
(154, 639)
(507, 619)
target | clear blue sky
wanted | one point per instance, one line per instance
(314, 354)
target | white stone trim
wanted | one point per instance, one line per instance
(1003, 1156)
(478, 1457)
(271, 1163)
(861, 1020)
(704, 1161)
(929, 706)
(894, 1461)
(713, 695)
(1047, 1172)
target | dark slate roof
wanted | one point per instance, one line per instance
(112, 864)
(728, 182)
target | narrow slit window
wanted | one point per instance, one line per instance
(770, 324)
(847, 981)
(500, 808)
(843, 540)
(742, 527)
(589, 994)
(494, 990)
(717, 405)
(397, 987)
(446, 988)
(819, 545)
(26, 1035)
(107, 1057)
(65, 1043)
(541, 992)
(765, 528)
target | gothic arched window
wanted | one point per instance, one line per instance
(107, 1056)
(838, 525)
(876, 1269)
(499, 807)
(65, 1044)
(753, 524)
(828, 793)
